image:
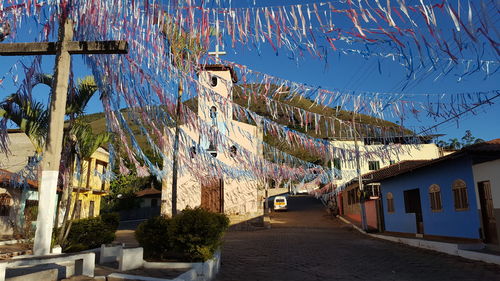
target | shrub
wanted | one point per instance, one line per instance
(90, 233)
(193, 235)
(153, 236)
(112, 220)
(197, 233)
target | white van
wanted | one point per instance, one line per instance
(280, 203)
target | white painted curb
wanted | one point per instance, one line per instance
(447, 248)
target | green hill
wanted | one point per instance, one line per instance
(98, 123)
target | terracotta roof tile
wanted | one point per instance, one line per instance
(394, 170)
(147, 191)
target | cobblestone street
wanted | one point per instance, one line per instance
(307, 244)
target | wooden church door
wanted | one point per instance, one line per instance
(212, 195)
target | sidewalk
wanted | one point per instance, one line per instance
(462, 250)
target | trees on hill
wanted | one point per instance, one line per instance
(456, 144)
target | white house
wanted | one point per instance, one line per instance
(377, 156)
(487, 186)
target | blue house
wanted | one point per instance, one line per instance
(435, 199)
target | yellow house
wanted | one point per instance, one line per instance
(14, 200)
(92, 186)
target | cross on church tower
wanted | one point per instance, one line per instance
(217, 51)
(63, 49)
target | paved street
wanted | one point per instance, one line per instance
(306, 244)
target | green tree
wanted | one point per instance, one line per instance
(456, 144)
(32, 118)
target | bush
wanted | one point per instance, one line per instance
(193, 235)
(152, 235)
(197, 233)
(90, 233)
(112, 220)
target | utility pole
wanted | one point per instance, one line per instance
(360, 178)
(63, 49)
(175, 156)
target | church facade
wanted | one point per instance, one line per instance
(239, 199)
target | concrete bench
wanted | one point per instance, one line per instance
(84, 263)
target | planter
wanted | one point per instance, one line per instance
(199, 271)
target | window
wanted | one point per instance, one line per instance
(435, 197)
(91, 209)
(5, 201)
(460, 195)
(392, 162)
(213, 115)
(390, 203)
(373, 165)
(373, 190)
(100, 167)
(336, 167)
(232, 151)
(192, 151)
(353, 196)
(336, 164)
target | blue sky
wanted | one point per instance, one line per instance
(342, 72)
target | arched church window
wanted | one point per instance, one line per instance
(213, 115)
(232, 151)
(213, 81)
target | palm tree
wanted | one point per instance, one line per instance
(86, 143)
(454, 144)
(32, 118)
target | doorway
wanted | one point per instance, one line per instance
(212, 195)
(488, 218)
(413, 205)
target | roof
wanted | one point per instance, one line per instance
(480, 152)
(220, 67)
(7, 176)
(148, 192)
(394, 170)
(487, 146)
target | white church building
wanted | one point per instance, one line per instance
(239, 199)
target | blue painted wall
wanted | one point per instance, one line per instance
(447, 222)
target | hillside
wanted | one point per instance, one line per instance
(98, 123)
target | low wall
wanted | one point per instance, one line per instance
(132, 258)
(84, 263)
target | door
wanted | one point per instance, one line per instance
(212, 195)
(489, 222)
(412, 205)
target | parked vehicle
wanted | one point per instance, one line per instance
(280, 203)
